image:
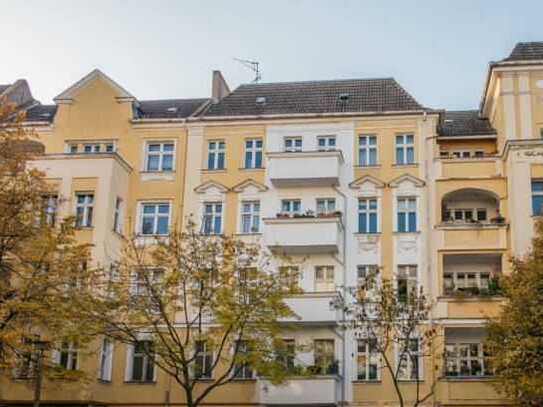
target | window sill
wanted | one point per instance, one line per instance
(157, 175)
(368, 166)
(413, 165)
(144, 382)
(416, 232)
(468, 378)
(103, 381)
(213, 170)
(367, 234)
(205, 380)
(374, 382)
(84, 228)
(243, 380)
(471, 298)
(249, 234)
(252, 169)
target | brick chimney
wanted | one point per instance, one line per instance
(219, 87)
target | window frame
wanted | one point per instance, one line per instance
(326, 146)
(216, 156)
(536, 194)
(409, 361)
(118, 215)
(70, 352)
(293, 148)
(317, 357)
(367, 213)
(291, 203)
(242, 371)
(105, 366)
(327, 283)
(365, 150)
(214, 214)
(406, 269)
(326, 205)
(161, 153)
(457, 359)
(206, 356)
(369, 354)
(402, 149)
(405, 226)
(156, 215)
(148, 364)
(253, 155)
(87, 209)
(253, 215)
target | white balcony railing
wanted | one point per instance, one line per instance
(321, 390)
(308, 168)
(313, 308)
(300, 235)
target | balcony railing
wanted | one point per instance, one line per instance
(306, 390)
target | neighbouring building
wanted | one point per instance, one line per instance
(347, 176)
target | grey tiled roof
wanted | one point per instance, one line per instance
(3, 88)
(464, 123)
(526, 51)
(167, 108)
(41, 113)
(335, 96)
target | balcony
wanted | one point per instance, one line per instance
(321, 390)
(486, 166)
(308, 168)
(303, 234)
(313, 309)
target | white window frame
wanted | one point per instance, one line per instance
(206, 356)
(469, 359)
(368, 211)
(325, 206)
(315, 347)
(253, 150)
(131, 355)
(87, 208)
(327, 146)
(161, 153)
(212, 215)
(371, 358)
(72, 356)
(94, 148)
(325, 282)
(407, 211)
(404, 146)
(293, 148)
(409, 361)
(366, 149)
(218, 148)
(290, 202)
(246, 368)
(407, 269)
(118, 215)
(156, 215)
(462, 284)
(253, 214)
(106, 360)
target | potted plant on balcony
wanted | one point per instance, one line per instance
(498, 219)
(282, 215)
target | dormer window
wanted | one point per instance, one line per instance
(98, 147)
(260, 100)
(343, 97)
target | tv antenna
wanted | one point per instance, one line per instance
(253, 66)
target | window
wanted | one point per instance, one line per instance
(91, 148)
(118, 216)
(212, 222)
(465, 215)
(537, 197)
(215, 155)
(290, 276)
(324, 279)
(155, 219)
(407, 214)
(406, 282)
(470, 283)
(25, 363)
(405, 149)
(367, 150)
(84, 209)
(159, 156)
(110, 147)
(367, 360)
(49, 209)
(143, 369)
(250, 217)
(203, 361)
(72, 148)
(326, 206)
(326, 143)
(293, 144)
(106, 358)
(541, 133)
(466, 360)
(367, 215)
(324, 358)
(291, 206)
(409, 360)
(67, 356)
(141, 286)
(288, 354)
(242, 369)
(253, 153)
(367, 276)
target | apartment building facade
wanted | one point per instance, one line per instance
(345, 177)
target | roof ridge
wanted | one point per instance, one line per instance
(320, 81)
(173, 99)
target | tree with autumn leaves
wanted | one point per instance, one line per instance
(41, 264)
(515, 338)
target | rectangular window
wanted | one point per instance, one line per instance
(212, 219)
(367, 215)
(293, 144)
(466, 360)
(216, 151)
(367, 360)
(367, 275)
(324, 357)
(110, 147)
(409, 360)
(291, 206)
(407, 214)
(405, 149)
(91, 148)
(143, 368)
(250, 217)
(367, 150)
(73, 148)
(49, 209)
(106, 359)
(465, 215)
(470, 283)
(25, 363)
(253, 153)
(159, 156)
(326, 143)
(155, 219)
(118, 216)
(242, 369)
(68, 356)
(326, 206)
(288, 355)
(140, 284)
(84, 209)
(324, 279)
(537, 197)
(203, 362)
(406, 282)
(290, 276)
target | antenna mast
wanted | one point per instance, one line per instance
(253, 66)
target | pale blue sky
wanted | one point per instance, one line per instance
(438, 50)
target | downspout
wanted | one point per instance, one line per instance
(344, 289)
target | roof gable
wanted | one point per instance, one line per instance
(211, 187)
(68, 95)
(248, 184)
(406, 178)
(360, 182)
